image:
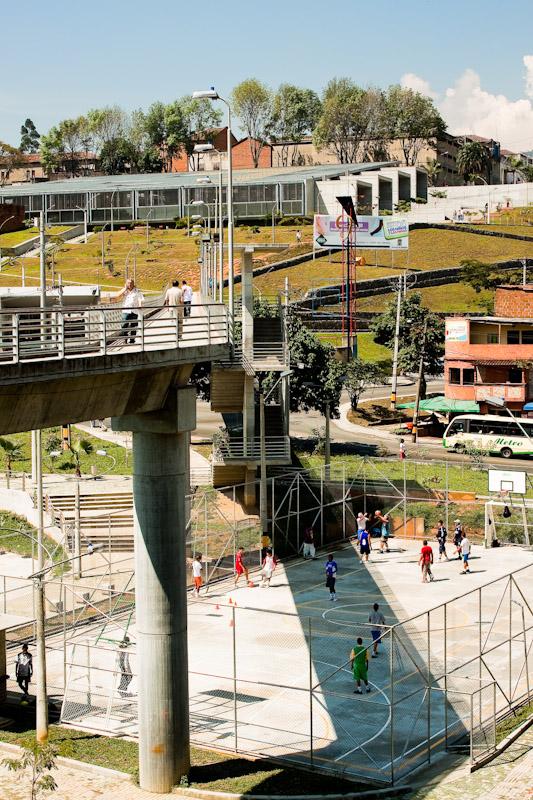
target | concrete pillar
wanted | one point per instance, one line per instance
(160, 482)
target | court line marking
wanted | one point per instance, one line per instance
(367, 741)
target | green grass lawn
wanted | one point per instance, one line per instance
(508, 725)
(209, 770)
(455, 298)
(13, 540)
(17, 237)
(117, 462)
(168, 255)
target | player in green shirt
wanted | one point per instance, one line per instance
(359, 663)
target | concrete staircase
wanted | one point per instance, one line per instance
(105, 518)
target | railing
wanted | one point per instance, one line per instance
(516, 392)
(270, 351)
(277, 449)
(33, 335)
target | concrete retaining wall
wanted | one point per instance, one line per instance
(33, 243)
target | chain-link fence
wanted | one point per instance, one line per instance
(274, 684)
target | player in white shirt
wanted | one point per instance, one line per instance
(197, 568)
(465, 553)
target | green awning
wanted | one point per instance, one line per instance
(443, 405)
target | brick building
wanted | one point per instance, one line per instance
(492, 356)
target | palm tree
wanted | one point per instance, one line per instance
(12, 452)
(433, 168)
(80, 446)
(472, 160)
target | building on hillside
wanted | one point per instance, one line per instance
(209, 160)
(509, 172)
(33, 171)
(492, 356)
(257, 193)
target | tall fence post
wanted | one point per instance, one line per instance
(391, 701)
(472, 728)
(343, 501)
(404, 497)
(447, 495)
(233, 628)
(322, 475)
(5, 595)
(310, 633)
(510, 665)
(445, 658)
(428, 630)
(273, 522)
(298, 512)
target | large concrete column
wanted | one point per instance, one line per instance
(160, 482)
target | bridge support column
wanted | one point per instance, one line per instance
(160, 482)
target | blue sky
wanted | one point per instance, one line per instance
(60, 58)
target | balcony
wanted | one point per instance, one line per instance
(511, 392)
(237, 450)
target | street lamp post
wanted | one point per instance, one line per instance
(211, 94)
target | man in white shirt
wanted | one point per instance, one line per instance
(131, 298)
(187, 297)
(24, 670)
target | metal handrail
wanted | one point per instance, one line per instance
(52, 334)
(277, 447)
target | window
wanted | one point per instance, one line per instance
(459, 426)
(513, 337)
(454, 375)
(515, 375)
(527, 337)
(492, 338)
(469, 377)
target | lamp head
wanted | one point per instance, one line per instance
(205, 94)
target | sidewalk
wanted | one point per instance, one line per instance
(508, 777)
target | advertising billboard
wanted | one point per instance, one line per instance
(377, 233)
(456, 330)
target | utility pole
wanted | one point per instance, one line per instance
(41, 727)
(420, 376)
(77, 531)
(394, 383)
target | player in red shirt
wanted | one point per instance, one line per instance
(240, 566)
(425, 561)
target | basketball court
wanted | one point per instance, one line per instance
(270, 670)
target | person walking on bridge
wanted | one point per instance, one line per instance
(132, 299)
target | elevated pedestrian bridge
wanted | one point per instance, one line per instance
(73, 364)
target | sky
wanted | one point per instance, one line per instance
(475, 57)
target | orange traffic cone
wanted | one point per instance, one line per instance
(230, 601)
(217, 607)
(231, 623)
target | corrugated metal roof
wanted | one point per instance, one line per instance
(175, 180)
(497, 320)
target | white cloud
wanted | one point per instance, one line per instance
(417, 84)
(468, 108)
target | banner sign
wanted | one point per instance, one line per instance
(370, 232)
(456, 330)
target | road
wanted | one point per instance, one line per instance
(303, 424)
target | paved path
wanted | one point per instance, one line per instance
(508, 777)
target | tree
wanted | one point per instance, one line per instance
(201, 118)
(77, 448)
(106, 125)
(29, 138)
(412, 318)
(412, 119)
(252, 103)
(117, 156)
(359, 375)
(345, 122)
(472, 160)
(40, 760)
(526, 171)
(295, 112)
(10, 159)
(433, 169)
(12, 452)
(320, 379)
(65, 145)
(477, 274)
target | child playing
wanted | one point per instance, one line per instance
(359, 665)
(240, 566)
(197, 567)
(269, 565)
